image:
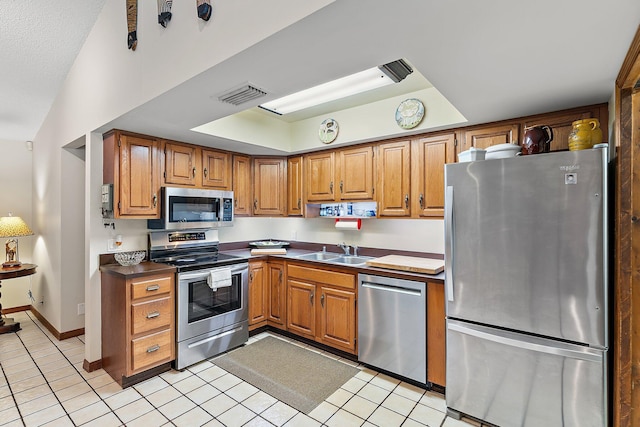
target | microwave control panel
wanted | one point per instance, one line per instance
(227, 209)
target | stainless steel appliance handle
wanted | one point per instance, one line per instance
(215, 337)
(560, 349)
(394, 289)
(448, 241)
(202, 274)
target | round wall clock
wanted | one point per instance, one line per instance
(409, 113)
(328, 131)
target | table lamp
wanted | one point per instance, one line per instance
(12, 227)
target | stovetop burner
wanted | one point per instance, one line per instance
(188, 250)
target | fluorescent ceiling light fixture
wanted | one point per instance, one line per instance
(363, 81)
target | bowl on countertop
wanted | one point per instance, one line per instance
(268, 244)
(129, 258)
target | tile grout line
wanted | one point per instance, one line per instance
(13, 396)
(72, 365)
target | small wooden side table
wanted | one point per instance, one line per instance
(7, 324)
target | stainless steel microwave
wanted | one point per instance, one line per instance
(185, 208)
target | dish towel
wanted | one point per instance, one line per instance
(219, 278)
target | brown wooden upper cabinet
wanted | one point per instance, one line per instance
(216, 169)
(242, 185)
(486, 136)
(295, 189)
(180, 164)
(345, 174)
(269, 186)
(132, 164)
(394, 178)
(320, 171)
(428, 157)
(194, 166)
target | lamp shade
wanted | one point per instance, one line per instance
(14, 226)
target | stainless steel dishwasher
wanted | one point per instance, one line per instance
(392, 325)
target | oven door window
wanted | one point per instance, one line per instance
(193, 209)
(205, 302)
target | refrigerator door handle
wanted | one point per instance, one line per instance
(448, 243)
(560, 349)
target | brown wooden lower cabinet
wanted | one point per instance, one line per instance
(138, 333)
(277, 298)
(258, 294)
(436, 334)
(321, 305)
(267, 299)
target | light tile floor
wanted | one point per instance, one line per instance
(42, 382)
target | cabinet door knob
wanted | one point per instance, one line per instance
(255, 204)
(311, 295)
(341, 190)
(205, 172)
(298, 203)
(421, 201)
(280, 277)
(322, 300)
(406, 201)
(193, 172)
(155, 200)
(331, 187)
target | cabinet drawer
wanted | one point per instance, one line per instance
(151, 286)
(150, 315)
(343, 280)
(151, 349)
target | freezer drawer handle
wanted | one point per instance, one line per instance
(396, 289)
(586, 354)
(448, 221)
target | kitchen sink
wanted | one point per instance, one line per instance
(319, 256)
(351, 260)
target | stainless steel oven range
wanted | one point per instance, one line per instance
(211, 293)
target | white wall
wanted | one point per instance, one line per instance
(420, 235)
(73, 238)
(106, 81)
(15, 197)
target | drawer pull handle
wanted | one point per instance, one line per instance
(153, 348)
(153, 288)
(153, 314)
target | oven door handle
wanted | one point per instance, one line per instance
(203, 274)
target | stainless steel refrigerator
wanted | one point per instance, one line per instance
(526, 282)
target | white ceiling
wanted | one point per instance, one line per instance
(39, 40)
(492, 60)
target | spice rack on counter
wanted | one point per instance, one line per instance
(344, 210)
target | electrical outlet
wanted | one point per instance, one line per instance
(294, 235)
(80, 308)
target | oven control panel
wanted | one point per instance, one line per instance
(189, 236)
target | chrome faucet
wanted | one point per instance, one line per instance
(355, 250)
(345, 248)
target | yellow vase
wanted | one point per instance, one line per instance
(585, 134)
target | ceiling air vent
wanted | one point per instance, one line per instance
(396, 70)
(241, 95)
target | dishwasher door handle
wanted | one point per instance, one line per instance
(394, 289)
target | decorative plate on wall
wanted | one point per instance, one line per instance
(409, 113)
(328, 131)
